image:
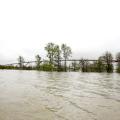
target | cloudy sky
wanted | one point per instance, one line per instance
(90, 27)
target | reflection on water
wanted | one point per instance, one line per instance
(34, 95)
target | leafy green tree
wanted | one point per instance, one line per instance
(108, 58)
(50, 48)
(46, 66)
(84, 65)
(66, 50)
(75, 66)
(100, 64)
(21, 61)
(57, 57)
(38, 61)
(118, 62)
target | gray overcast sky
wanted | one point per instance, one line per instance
(90, 27)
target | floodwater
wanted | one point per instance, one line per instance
(34, 95)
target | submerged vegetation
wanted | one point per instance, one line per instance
(118, 63)
(59, 60)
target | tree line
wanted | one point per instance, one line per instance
(57, 61)
(55, 54)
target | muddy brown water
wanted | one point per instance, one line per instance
(34, 95)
